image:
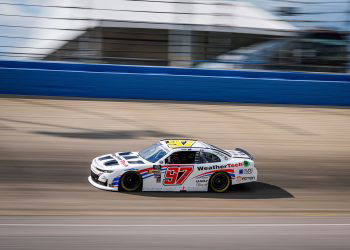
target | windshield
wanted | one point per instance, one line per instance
(153, 153)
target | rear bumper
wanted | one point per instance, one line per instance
(99, 186)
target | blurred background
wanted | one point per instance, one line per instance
(291, 35)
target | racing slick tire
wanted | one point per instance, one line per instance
(131, 182)
(220, 182)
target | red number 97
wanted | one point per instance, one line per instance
(176, 175)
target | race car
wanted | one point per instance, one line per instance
(173, 165)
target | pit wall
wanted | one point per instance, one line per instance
(165, 83)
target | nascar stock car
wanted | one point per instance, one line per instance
(173, 165)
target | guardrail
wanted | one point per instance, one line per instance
(165, 83)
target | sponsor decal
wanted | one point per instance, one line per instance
(124, 163)
(248, 171)
(150, 171)
(246, 163)
(179, 143)
(115, 182)
(201, 182)
(200, 177)
(240, 164)
(248, 178)
(201, 168)
(177, 175)
(241, 171)
(156, 173)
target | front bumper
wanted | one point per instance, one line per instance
(92, 182)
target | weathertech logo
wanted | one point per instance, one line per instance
(215, 167)
(235, 165)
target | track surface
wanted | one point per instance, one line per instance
(302, 154)
(169, 233)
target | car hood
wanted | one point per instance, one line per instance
(120, 159)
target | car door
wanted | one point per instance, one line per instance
(179, 167)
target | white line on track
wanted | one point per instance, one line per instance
(171, 225)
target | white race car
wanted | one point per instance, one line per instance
(173, 165)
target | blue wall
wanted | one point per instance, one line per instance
(163, 83)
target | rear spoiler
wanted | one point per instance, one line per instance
(244, 151)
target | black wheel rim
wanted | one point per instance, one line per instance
(131, 182)
(220, 182)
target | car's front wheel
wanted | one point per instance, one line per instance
(131, 182)
(220, 182)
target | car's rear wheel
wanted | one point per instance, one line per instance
(220, 182)
(131, 182)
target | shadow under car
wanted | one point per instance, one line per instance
(253, 190)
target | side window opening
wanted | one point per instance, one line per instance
(181, 157)
(209, 157)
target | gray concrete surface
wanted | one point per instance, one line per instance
(36, 233)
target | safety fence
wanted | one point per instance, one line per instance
(284, 35)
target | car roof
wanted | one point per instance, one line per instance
(173, 144)
(183, 143)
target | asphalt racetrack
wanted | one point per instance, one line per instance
(301, 201)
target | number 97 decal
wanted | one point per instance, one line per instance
(176, 175)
